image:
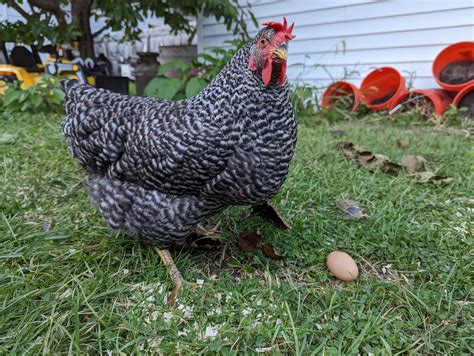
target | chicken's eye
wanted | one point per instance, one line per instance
(263, 42)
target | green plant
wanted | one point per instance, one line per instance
(177, 80)
(46, 95)
(212, 63)
(304, 99)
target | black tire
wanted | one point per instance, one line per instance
(7, 78)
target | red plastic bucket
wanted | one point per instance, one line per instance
(458, 52)
(337, 90)
(468, 90)
(381, 87)
(439, 97)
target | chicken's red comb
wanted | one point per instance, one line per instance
(282, 27)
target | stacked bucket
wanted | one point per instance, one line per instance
(385, 88)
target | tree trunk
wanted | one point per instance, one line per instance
(81, 12)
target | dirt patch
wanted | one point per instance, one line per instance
(383, 99)
(422, 107)
(468, 102)
(457, 73)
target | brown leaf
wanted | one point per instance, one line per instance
(430, 177)
(270, 213)
(351, 208)
(414, 164)
(384, 164)
(402, 143)
(346, 148)
(249, 240)
(367, 159)
(269, 251)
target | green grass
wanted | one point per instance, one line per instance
(70, 285)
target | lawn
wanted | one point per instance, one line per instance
(71, 285)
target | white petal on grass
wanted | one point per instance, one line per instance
(167, 316)
(210, 332)
(182, 333)
(66, 294)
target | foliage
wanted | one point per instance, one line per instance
(46, 95)
(177, 80)
(50, 21)
(209, 65)
(304, 99)
(183, 83)
(45, 30)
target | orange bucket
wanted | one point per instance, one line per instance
(460, 100)
(458, 52)
(381, 87)
(439, 97)
(337, 90)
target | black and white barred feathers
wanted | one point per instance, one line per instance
(157, 168)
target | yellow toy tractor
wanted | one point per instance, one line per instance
(24, 64)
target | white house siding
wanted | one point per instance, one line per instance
(347, 39)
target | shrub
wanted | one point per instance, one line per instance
(177, 80)
(46, 95)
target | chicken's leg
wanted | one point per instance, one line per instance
(174, 274)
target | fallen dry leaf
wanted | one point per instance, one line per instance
(402, 143)
(365, 158)
(351, 209)
(430, 177)
(269, 250)
(269, 212)
(414, 164)
(249, 240)
(384, 164)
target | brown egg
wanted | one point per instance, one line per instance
(342, 266)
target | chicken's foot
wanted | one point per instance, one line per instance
(207, 230)
(174, 274)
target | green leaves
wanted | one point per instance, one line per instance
(175, 81)
(194, 86)
(163, 88)
(175, 66)
(45, 95)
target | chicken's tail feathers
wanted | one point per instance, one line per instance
(69, 83)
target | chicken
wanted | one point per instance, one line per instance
(159, 168)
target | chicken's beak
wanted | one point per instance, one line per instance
(280, 54)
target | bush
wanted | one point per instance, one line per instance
(177, 80)
(46, 95)
(182, 83)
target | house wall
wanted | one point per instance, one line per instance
(347, 39)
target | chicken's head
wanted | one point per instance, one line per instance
(269, 52)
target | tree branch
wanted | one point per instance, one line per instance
(19, 9)
(53, 7)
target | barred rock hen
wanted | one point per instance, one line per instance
(157, 168)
